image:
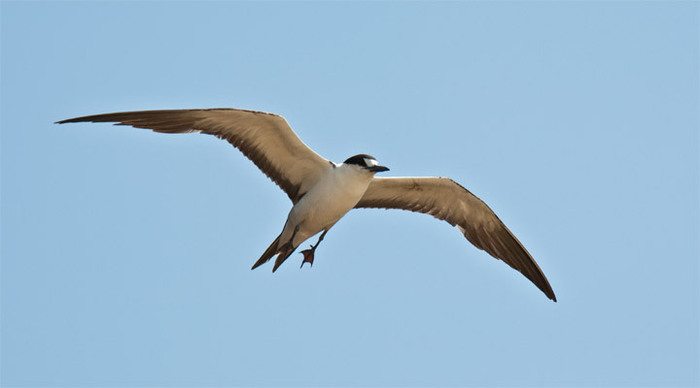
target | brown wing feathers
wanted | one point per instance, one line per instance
(449, 201)
(249, 131)
(268, 141)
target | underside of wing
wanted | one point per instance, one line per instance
(264, 138)
(447, 200)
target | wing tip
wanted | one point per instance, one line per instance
(545, 288)
(82, 119)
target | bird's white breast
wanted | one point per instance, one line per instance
(336, 193)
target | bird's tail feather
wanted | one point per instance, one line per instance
(285, 252)
(272, 250)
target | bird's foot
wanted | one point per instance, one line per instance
(308, 256)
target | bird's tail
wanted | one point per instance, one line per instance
(271, 251)
(285, 252)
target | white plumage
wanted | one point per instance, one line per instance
(338, 191)
(322, 192)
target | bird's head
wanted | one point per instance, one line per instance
(367, 162)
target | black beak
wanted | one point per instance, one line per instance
(378, 168)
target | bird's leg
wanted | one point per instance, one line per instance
(309, 253)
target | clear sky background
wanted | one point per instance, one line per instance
(126, 254)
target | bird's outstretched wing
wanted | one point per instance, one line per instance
(447, 200)
(264, 138)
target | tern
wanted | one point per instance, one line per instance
(322, 191)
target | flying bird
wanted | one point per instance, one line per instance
(322, 191)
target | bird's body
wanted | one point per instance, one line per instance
(338, 191)
(322, 192)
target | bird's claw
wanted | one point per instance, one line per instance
(308, 256)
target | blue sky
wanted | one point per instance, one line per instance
(126, 254)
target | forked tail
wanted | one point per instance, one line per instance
(285, 251)
(269, 252)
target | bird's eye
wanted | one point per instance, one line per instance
(370, 162)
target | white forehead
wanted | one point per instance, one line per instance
(370, 162)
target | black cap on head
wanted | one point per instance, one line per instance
(367, 162)
(360, 160)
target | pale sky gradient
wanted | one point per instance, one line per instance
(126, 254)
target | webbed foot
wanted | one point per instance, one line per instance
(308, 256)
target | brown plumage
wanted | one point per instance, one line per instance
(264, 138)
(447, 200)
(268, 141)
